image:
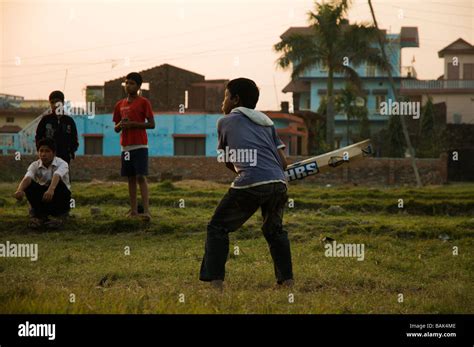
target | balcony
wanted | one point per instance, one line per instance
(410, 87)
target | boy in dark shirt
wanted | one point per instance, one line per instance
(260, 182)
(59, 127)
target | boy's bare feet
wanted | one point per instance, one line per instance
(131, 214)
(35, 223)
(217, 284)
(287, 283)
(55, 223)
(146, 217)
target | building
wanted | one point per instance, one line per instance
(175, 134)
(310, 88)
(455, 90)
(186, 108)
(10, 101)
(455, 87)
(169, 89)
(12, 121)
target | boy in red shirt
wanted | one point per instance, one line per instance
(132, 116)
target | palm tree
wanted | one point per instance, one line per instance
(333, 43)
(346, 103)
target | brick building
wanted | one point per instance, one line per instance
(169, 89)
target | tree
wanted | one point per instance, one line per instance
(427, 144)
(333, 43)
(364, 125)
(396, 142)
(346, 102)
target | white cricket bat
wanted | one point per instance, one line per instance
(323, 162)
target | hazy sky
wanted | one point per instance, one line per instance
(96, 41)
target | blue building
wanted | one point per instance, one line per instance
(311, 87)
(175, 134)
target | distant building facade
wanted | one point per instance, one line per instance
(169, 89)
(310, 88)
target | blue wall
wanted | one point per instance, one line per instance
(160, 139)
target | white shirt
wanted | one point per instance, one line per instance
(43, 175)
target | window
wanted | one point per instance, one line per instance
(453, 71)
(457, 118)
(189, 146)
(370, 70)
(93, 145)
(10, 119)
(378, 100)
(468, 72)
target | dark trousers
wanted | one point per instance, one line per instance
(235, 208)
(59, 205)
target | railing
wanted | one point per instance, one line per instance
(438, 84)
(25, 138)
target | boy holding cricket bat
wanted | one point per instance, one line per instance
(132, 116)
(260, 183)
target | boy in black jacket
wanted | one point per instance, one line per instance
(59, 127)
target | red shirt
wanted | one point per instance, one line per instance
(137, 111)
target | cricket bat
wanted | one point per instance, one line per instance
(324, 162)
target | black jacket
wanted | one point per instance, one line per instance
(63, 131)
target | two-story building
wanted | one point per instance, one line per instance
(455, 87)
(311, 87)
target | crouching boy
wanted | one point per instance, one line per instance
(47, 188)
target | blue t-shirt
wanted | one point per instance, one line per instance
(251, 147)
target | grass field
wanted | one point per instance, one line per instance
(404, 253)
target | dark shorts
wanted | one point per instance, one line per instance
(135, 163)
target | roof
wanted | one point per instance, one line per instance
(159, 67)
(210, 83)
(283, 115)
(296, 31)
(460, 46)
(9, 129)
(297, 86)
(308, 30)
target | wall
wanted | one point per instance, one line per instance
(370, 171)
(462, 104)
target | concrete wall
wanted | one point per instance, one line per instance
(370, 171)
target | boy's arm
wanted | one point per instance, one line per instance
(282, 155)
(48, 195)
(118, 127)
(230, 166)
(117, 118)
(148, 124)
(20, 192)
(75, 141)
(40, 130)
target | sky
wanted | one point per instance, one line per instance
(69, 44)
